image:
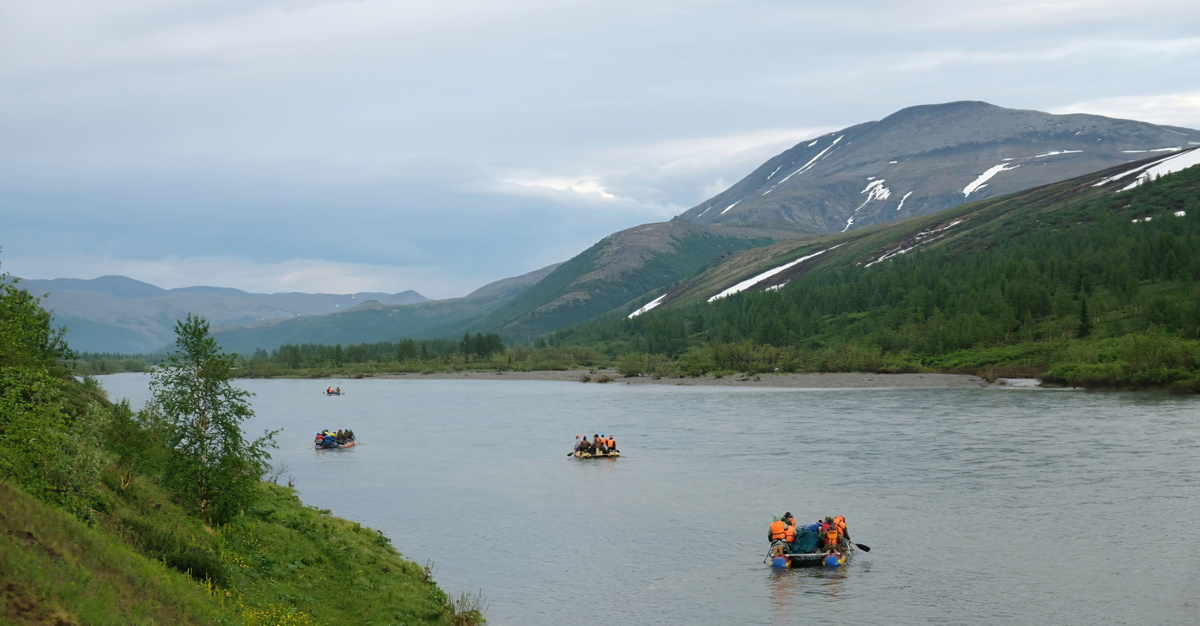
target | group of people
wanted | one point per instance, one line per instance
(333, 391)
(827, 535)
(330, 439)
(599, 444)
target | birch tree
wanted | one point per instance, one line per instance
(213, 469)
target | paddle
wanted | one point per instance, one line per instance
(863, 547)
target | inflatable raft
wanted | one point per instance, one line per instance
(811, 559)
(348, 444)
(596, 455)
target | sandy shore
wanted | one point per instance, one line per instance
(798, 381)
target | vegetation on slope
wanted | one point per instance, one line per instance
(1058, 283)
(604, 278)
(113, 517)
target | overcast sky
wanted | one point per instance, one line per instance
(385, 145)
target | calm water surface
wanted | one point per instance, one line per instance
(981, 506)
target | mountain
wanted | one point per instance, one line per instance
(604, 278)
(375, 321)
(972, 231)
(916, 162)
(122, 315)
(1092, 282)
(926, 159)
(616, 271)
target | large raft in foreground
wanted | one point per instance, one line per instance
(811, 559)
(595, 455)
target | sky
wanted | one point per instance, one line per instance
(342, 146)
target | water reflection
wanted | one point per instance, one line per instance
(788, 586)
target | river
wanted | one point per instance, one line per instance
(981, 506)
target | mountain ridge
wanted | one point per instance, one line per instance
(931, 157)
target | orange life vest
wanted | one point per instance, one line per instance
(777, 529)
(839, 524)
(789, 535)
(831, 538)
(609, 442)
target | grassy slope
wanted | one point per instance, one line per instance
(279, 563)
(54, 569)
(542, 308)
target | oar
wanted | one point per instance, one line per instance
(862, 546)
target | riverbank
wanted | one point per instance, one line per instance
(795, 381)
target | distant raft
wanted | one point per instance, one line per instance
(326, 440)
(336, 446)
(595, 455)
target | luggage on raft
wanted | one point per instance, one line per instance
(595, 455)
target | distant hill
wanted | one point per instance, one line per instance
(122, 315)
(375, 321)
(926, 159)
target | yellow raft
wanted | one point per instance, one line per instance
(595, 455)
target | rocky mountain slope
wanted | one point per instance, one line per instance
(926, 159)
(773, 267)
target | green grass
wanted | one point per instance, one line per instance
(56, 570)
(145, 561)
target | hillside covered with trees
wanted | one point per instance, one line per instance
(1057, 283)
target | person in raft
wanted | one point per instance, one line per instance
(598, 443)
(777, 530)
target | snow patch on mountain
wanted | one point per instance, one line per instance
(729, 207)
(919, 239)
(807, 166)
(750, 282)
(875, 191)
(903, 199)
(981, 182)
(1169, 165)
(1058, 152)
(1174, 149)
(649, 305)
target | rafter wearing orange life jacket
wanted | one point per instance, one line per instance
(776, 530)
(831, 537)
(839, 523)
(789, 535)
